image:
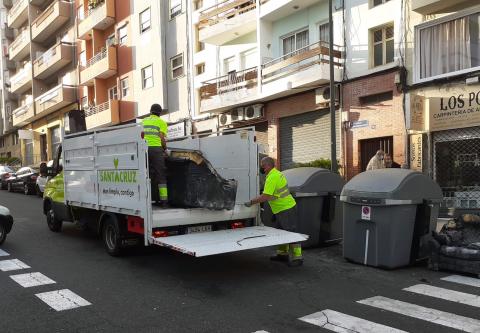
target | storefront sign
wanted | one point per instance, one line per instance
(457, 111)
(417, 112)
(416, 153)
(176, 130)
(359, 124)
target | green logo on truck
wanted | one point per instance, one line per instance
(125, 176)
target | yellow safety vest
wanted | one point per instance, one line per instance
(153, 126)
(276, 185)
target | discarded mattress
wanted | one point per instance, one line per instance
(194, 183)
(457, 246)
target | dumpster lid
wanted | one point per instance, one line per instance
(393, 184)
(313, 180)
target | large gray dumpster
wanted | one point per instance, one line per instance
(386, 214)
(317, 192)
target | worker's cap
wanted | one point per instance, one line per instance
(156, 109)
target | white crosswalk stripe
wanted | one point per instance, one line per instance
(12, 265)
(342, 323)
(427, 314)
(31, 279)
(465, 280)
(446, 294)
(4, 253)
(61, 300)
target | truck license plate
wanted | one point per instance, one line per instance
(199, 228)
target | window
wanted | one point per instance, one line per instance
(147, 77)
(294, 42)
(176, 65)
(324, 32)
(249, 59)
(145, 21)
(83, 59)
(15, 139)
(378, 2)
(228, 65)
(28, 153)
(2, 143)
(111, 40)
(56, 139)
(175, 8)
(84, 103)
(200, 68)
(450, 46)
(124, 86)
(122, 35)
(383, 49)
(377, 98)
(113, 93)
(198, 4)
(81, 13)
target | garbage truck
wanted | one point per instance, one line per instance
(100, 179)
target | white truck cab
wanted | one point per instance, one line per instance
(104, 182)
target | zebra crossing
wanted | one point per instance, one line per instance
(339, 322)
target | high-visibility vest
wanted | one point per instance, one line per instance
(276, 185)
(153, 126)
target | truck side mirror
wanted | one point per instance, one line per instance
(50, 172)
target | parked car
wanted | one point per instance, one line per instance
(25, 179)
(42, 178)
(5, 172)
(6, 222)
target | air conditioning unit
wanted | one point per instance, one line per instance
(238, 114)
(254, 111)
(322, 95)
(225, 119)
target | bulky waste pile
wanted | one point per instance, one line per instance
(457, 246)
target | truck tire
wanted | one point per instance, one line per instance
(54, 224)
(3, 233)
(111, 236)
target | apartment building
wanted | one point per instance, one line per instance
(266, 64)
(123, 51)
(9, 142)
(41, 74)
(443, 104)
(373, 116)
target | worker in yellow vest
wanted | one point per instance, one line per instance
(284, 208)
(155, 131)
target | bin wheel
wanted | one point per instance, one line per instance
(54, 224)
(111, 237)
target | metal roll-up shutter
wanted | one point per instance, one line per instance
(306, 137)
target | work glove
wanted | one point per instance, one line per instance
(248, 204)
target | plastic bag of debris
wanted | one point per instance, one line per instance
(194, 183)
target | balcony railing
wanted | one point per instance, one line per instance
(53, 60)
(19, 44)
(22, 79)
(224, 11)
(14, 14)
(103, 65)
(101, 16)
(23, 114)
(301, 59)
(55, 99)
(52, 18)
(97, 57)
(230, 83)
(102, 115)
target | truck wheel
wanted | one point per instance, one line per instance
(111, 237)
(54, 224)
(3, 233)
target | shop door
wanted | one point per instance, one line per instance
(305, 138)
(369, 147)
(43, 147)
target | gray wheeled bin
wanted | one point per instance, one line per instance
(386, 214)
(317, 192)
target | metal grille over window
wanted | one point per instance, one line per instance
(457, 167)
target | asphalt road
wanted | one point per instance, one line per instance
(157, 290)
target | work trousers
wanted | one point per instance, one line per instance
(287, 220)
(158, 174)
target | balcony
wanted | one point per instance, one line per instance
(23, 115)
(426, 7)
(53, 60)
(100, 18)
(22, 80)
(303, 68)
(20, 48)
(7, 32)
(55, 99)
(227, 21)
(101, 66)
(52, 18)
(273, 10)
(229, 90)
(102, 115)
(18, 15)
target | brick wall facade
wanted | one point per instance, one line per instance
(385, 118)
